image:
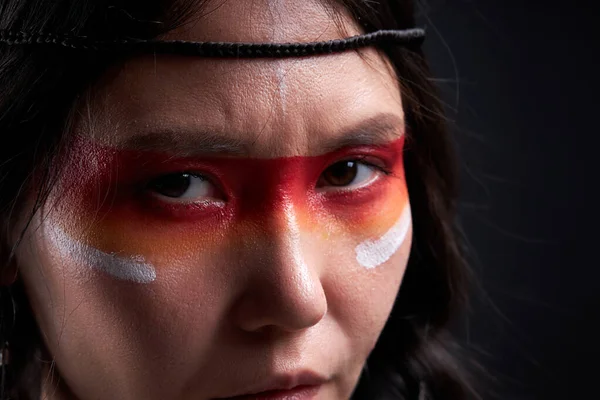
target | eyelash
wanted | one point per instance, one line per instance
(367, 161)
(171, 202)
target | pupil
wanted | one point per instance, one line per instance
(173, 185)
(341, 173)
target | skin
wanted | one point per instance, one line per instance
(238, 296)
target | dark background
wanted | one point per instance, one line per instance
(520, 80)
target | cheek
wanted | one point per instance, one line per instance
(76, 276)
(125, 319)
(372, 253)
(360, 300)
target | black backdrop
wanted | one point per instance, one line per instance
(520, 79)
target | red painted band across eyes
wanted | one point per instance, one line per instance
(193, 186)
(111, 197)
(243, 186)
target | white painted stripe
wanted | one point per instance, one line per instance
(373, 253)
(133, 269)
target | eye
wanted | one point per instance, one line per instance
(183, 187)
(348, 174)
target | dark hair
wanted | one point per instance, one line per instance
(39, 86)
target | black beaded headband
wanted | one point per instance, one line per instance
(409, 37)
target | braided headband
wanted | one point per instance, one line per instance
(409, 37)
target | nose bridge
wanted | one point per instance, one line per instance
(284, 290)
(272, 187)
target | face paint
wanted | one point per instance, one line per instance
(373, 253)
(125, 230)
(278, 10)
(131, 268)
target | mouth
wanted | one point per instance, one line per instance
(299, 386)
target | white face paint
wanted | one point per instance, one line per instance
(373, 253)
(278, 11)
(133, 269)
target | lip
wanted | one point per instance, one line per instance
(298, 393)
(303, 385)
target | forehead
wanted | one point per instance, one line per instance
(281, 105)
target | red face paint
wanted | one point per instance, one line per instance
(106, 193)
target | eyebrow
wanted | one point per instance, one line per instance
(378, 130)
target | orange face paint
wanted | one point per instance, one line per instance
(107, 199)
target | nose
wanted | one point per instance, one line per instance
(283, 290)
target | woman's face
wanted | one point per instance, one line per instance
(225, 227)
